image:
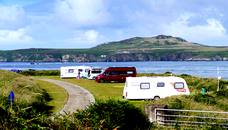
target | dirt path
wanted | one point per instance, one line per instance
(78, 97)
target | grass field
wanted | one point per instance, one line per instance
(114, 91)
(99, 90)
(57, 94)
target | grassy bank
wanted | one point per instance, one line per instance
(29, 91)
(29, 106)
(25, 89)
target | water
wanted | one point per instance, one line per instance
(198, 68)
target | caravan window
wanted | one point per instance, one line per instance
(145, 86)
(80, 70)
(160, 84)
(178, 85)
(71, 71)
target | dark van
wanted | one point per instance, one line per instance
(117, 74)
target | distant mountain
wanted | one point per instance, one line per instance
(158, 48)
(150, 43)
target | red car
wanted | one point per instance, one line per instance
(117, 74)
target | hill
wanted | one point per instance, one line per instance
(149, 43)
(158, 48)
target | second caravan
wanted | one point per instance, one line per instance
(74, 71)
(154, 87)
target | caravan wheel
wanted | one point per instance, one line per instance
(156, 98)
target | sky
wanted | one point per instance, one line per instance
(87, 23)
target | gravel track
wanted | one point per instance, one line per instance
(78, 97)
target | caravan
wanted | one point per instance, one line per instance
(94, 72)
(154, 87)
(74, 71)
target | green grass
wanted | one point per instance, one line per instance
(114, 91)
(57, 94)
(99, 90)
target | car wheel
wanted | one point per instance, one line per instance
(102, 81)
(156, 98)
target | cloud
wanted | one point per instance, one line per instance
(84, 38)
(91, 35)
(212, 29)
(86, 23)
(12, 17)
(82, 12)
(14, 36)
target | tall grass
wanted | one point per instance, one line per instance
(25, 89)
(30, 105)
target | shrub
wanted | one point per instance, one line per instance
(31, 72)
(113, 114)
(176, 104)
(15, 118)
(222, 93)
(208, 99)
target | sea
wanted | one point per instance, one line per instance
(213, 69)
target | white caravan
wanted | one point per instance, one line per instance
(94, 72)
(74, 71)
(154, 87)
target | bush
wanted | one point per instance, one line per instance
(222, 93)
(208, 99)
(31, 72)
(176, 104)
(15, 118)
(113, 114)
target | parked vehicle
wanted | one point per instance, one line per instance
(74, 71)
(154, 87)
(117, 74)
(94, 72)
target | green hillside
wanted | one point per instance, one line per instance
(160, 42)
(158, 48)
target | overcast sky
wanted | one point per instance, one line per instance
(87, 23)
